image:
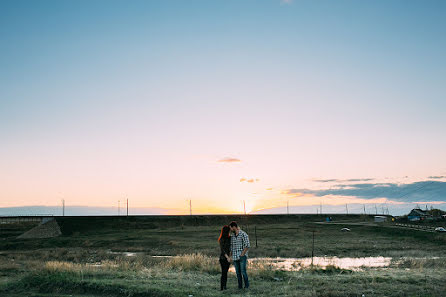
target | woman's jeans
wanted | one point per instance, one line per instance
(224, 273)
(240, 270)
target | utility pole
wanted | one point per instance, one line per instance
(376, 210)
(364, 208)
(312, 251)
(63, 207)
(127, 207)
(321, 207)
(346, 208)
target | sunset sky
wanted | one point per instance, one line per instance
(271, 101)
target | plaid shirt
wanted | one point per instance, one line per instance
(238, 244)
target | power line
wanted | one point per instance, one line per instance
(413, 191)
(433, 193)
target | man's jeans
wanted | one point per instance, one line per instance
(240, 270)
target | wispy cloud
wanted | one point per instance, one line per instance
(249, 180)
(325, 180)
(229, 160)
(427, 190)
(342, 180)
(437, 177)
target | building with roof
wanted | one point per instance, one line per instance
(418, 214)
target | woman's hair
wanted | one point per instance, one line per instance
(224, 232)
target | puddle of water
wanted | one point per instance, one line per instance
(295, 264)
(127, 254)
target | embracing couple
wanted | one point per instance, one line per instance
(234, 245)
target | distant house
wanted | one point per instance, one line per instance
(380, 219)
(418, 214)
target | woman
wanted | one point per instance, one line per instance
(225, 243)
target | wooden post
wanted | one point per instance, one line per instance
(255, 233)
(312, 251)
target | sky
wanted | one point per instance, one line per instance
(219, 102)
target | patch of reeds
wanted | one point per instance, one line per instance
(192, 262)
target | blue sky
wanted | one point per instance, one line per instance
(105, 99)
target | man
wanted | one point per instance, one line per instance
(239, 253)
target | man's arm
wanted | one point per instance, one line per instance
(246, 244)
(244, 251)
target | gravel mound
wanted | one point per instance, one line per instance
(47, 229)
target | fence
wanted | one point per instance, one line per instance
(417, 227)
(24, 218)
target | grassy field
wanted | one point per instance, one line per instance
(86, 260)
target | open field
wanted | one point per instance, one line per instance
(88, 260)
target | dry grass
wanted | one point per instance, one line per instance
(189, 262)
(198, 275)
(61, 266)
(420, 263)
(192, 262)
